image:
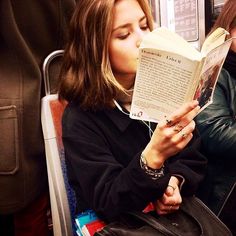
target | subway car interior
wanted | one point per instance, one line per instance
(192, 20)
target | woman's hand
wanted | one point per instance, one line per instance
(171, 199)
(171, 135)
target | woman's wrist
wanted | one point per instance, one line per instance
(153, 159)
(152, 173)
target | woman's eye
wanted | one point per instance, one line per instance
(123, 36)
(144, 27)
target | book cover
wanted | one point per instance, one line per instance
(91, 228)
(171, 72)
(83, 219)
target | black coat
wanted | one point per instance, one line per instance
(29, 31)
(102, 152)
(217, 125)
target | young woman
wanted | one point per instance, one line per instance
(217, 125)
(114, 164)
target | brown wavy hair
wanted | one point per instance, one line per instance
(227, 16)
(86, 76)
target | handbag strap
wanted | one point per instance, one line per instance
(219, 227)
(150, 220)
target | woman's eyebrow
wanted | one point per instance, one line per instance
(121, 27)
(143, 18)
(128, 24)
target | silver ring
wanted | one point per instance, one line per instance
(178, 128)
(169, 122)
(171, 187)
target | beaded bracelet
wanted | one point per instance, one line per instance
(153, 173)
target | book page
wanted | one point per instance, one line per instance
(210, 73)
(166, 40)
(161, 84)
(215, 39)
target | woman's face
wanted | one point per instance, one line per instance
(129, 27)
(233, 34)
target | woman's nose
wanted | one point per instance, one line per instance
(140, 35)
(138, 43)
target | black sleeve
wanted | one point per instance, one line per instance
(107, 186)
(110, 188)
(191, 164)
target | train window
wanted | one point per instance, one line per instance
(185, 17)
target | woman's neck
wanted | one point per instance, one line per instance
(126, 80)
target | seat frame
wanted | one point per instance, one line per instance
(51, 113)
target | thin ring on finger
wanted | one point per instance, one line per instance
(178, 128)
(171, 187)
(184, 135)
(169, 123)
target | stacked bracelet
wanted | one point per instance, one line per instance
(153, 173)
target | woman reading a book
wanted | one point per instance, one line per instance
(217, 125)
(115, 163)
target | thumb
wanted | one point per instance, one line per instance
(170, 190)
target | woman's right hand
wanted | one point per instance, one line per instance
(171, 135)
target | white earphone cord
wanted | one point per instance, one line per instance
(126, 113)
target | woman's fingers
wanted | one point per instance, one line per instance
(166, 209)
(168, 204)
(171, 199)
(181, 127)
(172, 135)
(187, 111)
(185, 134)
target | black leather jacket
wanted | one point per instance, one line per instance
(217, 125)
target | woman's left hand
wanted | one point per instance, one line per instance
(171, 199)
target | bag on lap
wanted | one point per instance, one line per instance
(192, 219)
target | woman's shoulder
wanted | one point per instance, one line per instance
(74, 116)
(73, 112)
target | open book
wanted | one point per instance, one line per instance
(171, 72)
